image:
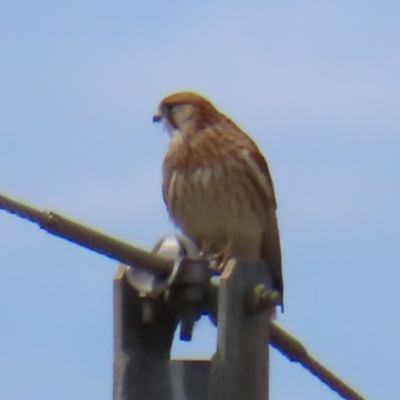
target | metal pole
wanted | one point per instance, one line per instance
(240, 367)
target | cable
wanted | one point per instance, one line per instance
(89, 238)
(130, 255)
(296, 352)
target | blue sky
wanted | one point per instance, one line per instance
(316, 84)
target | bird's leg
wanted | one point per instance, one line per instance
(220, 259)
(205, 249)
(207, 252)
(217, 260)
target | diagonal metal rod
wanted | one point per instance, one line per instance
(291, 348)
(89, 238)
(101, 243)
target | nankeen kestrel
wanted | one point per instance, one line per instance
(216, 184)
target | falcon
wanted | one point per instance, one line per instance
(217, 185)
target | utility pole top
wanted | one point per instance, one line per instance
(144, 328)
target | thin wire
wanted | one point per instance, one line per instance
(291, 348)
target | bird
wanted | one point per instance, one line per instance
(217, 185)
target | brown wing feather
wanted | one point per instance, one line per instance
(270, 251)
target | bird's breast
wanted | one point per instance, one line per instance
(211, 203)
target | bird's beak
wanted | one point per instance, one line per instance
(157, 117)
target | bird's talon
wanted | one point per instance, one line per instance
(218, 262)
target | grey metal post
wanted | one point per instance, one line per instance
(142, 369)
(144, 333)
(140, 349)
(241, 365)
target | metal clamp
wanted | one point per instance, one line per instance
(184, 289)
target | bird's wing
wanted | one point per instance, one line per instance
(271, 251)
(270, 245)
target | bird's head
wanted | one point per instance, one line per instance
(185, 112)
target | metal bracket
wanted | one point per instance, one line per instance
(185, 289)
